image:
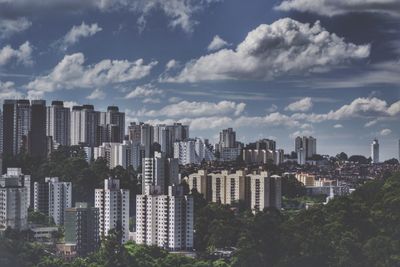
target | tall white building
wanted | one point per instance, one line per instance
(158, 172)
(227, 188)
(113, 205)
(58, 123)
(192, 151)
(84, 125)
(13, 204)
(375, 151)
(123, 154)
(22, 180)
(52, 198)
(165, 220)
(266, 191)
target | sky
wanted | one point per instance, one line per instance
(268, 68)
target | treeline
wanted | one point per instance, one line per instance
(359, 230)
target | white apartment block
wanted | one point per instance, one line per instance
(123, 154)
(60, 198)
(113, 205)
(265, 191)
(13, 205)
(199, 182)
(227, 188)
(16, 175)
(159, 172)
(58, 123)
(165, 220)
(192, 151)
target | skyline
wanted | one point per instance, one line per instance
(163, 63)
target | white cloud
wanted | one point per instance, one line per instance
(21, 55)
(171, 64)
(97, 94)
(180, 13)
(151, 100)
(8, 91)
(197, 109)
(358, 108)
(71, 73)
(9, 27)
(217, 43)
(370, 123)
(144, 91)
(284, 47)
(174, 99)
(385, 132)
(301, 133)
(272, 108)
(81, 31)
(338, 126)
(340, 7)
(70, 104)
(302, 105)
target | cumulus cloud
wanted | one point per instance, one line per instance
(171, 64)
(272, 108)
(81, 31)
(71, 73)
(144, 91)
(370, 123)
(196, 109)
(8, 91)
(21, 55)
(217, 43)
(10, 27)
(338, 126)
(358, 108)
(284, 47)
(385, 132)
(97, 94)
(302, 105)
(340, 7)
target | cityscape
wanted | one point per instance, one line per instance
(206, 133)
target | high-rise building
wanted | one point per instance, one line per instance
(227, 188)
(59, 123)
(192, 151)
(16, 126)
(22, 180)
(13, 204)
(158, 173)
(123, 154)
(227, 138)
(113, 205)
(134, 132)
(117, 118)
(201, 182)
(37, 134)
(147, 139)
(85, 123)
(81, 226)
(266, 191)
(1, 134)
(52, 198)
(375, 151)
(306, 145)
(165, 220)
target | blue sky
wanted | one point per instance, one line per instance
(267, 68)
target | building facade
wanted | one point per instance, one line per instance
(113, 205)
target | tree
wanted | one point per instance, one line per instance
(342, 156)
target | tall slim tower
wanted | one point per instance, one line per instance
(375, 151)
(58, 123)
(16, 125)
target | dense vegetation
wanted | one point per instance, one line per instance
(359, 230)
